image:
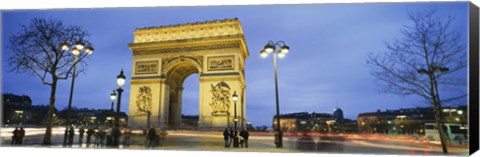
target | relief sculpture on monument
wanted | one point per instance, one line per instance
(144, 102)
(220, 98)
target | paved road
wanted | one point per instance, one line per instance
(188, 140)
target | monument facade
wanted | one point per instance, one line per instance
(164, 56)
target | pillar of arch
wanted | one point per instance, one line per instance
(164, 56)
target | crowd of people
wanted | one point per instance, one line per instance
(232, 137)
(18, 135)
(110, 137)
(100, 137)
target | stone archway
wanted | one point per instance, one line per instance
(163, 57)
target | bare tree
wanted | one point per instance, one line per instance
(430, 54)
(37, 51)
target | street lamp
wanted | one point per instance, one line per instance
(120, 83)
(116, 130)
(113, 96)
(76, 50)
(270, 47)
(235, 99)
(460, 113)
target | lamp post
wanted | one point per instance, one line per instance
(270, 47)
(460, 113)
(116, 130)
(78, 47)
(430, 72)
(113, 96)
(235, 99)
(120, 83)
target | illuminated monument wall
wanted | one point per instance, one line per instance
(164, 56)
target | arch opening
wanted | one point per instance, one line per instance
(176, 76)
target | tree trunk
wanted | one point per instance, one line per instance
(47, 139)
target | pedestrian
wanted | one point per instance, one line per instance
(109, 137)
(235, 140)
(81, 131)
(163, 137)
(100, 136)
(97, 137)
(90, 132)
(15, 136)
(102, 133)
(116, 133)
(244, 134)
(21, 136)
(232, 136)
(145, 143)
(151, 136)
(225, 137)
(71, 134)
(126, 137)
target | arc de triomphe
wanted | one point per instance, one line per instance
(164, 56)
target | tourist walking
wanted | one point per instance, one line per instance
(20, 136)
(163, 137)
(244, 134)
(71, 134)
(151, 137)
(81, 131)
(126, 137)
(15, 135)
(145, 135)
(116, 133)
(225, 137)
(109, 138)
(100, 136)
(232, 136)
(235, 140)
(90, 132)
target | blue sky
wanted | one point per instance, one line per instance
(326, 63)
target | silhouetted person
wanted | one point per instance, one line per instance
(81, 131)
(235, 140)
(15, 135)
(109, 138)
(21, 136)
(90, 132)
(232, 136)
(71, 134)
(244, 134)
(116, 133)
(126, 137)
(163, 137)
(145, 135)
(100, 137)
(151, 136)
(225, 137)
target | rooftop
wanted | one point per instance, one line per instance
(190, 24)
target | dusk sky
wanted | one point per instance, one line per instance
(327, 59)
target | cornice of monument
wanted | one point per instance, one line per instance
(235, 41)
(189, 30)
(188, 24)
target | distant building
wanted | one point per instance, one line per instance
(338, 114)
(18, 110)
(91, 117)
(189, 122)
(316, 122)
(406, 121)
